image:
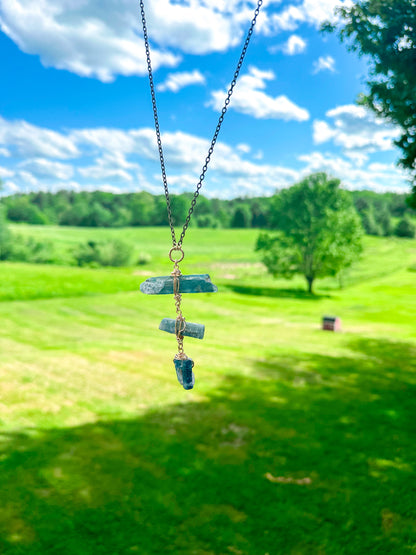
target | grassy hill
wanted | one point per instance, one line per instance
(294, 440)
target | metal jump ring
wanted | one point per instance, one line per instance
(177, 260)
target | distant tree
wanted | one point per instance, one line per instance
(57, 204)
(180, 206)
(121, 217)
(258, 214)
(160, 215)
(405, 227)
(5, 239)
(385, 222)
(5, 235)
(376, 210)
(75, 213)
(104, 199)
(206, 220)
(97, 216)
(398, 205)
(47, 203)
(361, 203)
(319, 231)
(384, 31)
(221, 212)
(370, 224)
(203, 205)
(142, 208)
(241, 217)
(22, 210)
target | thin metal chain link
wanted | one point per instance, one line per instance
(217, 129)
(156, 118)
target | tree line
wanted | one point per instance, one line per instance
(381, 214)
(313, 228)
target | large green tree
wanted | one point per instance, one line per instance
(384, 31)
(319, 232)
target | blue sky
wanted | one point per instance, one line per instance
(75, 107)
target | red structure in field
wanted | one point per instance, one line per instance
(331, 323)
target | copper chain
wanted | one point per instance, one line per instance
(217, 129)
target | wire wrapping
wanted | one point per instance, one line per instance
(180, 322)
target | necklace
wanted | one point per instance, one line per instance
(177, 283)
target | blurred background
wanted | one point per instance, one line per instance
(299, 436)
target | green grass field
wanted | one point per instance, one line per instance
(294, 441)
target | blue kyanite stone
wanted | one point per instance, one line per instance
(191, 329)
(184, 372)
(163, 285)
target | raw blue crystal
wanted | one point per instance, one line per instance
(191, 330)
(184, 372)
(163, 285)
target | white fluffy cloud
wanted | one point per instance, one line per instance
(111, 166)
(104, 39)
(122, 160)
(318, 161)
(307, 11)
(4, 172)
(47, 169)
(324, 63)
(294, 45)
(108, 159)
(10, 188)
(177, 81)
(27, 180)
(102, 173)
(98, 139)
(250, 99)
(89, 38)
(355, 129)
(29, 140)
(376, 176)
(242, 147)
(199, 26)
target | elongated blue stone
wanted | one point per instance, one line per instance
(184, 372)
(163, 285)
(191, 330)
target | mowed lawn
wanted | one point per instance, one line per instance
(294, 441)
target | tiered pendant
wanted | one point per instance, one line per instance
(177, 284)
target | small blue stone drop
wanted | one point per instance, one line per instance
(184, 372)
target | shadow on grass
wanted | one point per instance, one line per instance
(307, 456)
(275, 292)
